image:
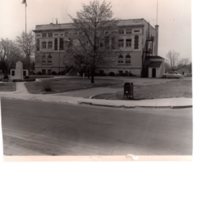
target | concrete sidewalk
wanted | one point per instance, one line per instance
(68, 97)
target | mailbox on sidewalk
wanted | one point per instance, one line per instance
(128, 90)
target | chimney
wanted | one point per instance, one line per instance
(156, 39)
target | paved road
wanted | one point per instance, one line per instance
(38, 128)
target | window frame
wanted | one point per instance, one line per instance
(136, 42)
(120, 59)
(128, 59)
(120, 43)
(128, 42)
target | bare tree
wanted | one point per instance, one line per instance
(9, 55)
(173, 58)
(26, 43)
(184, 62)
(91, 23)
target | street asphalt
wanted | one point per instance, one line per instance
(41, 128)
(65, 124)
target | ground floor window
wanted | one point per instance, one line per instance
(12, 72)
(120, 59)
(44, 71)
(49, 59)
(49, 71)
(43, 59)
(128, 59)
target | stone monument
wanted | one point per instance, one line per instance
(18, 73)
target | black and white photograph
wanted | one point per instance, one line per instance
(96, 79)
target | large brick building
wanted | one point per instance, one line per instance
(135, 42)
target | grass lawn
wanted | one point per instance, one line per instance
(68, 84)
(169, 89)
(7, 87)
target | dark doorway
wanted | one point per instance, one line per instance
(154, 73)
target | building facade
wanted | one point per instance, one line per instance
(134, 40)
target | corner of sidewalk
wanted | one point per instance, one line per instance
(173, 103)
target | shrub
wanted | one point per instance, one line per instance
(120, 73)
(102, 73)
(46, 86)
(111, 74)
(54, 73)
(39, 73)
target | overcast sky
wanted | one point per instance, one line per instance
(174, 18)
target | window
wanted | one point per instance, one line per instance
(44, 71)
(136, 45)
(24, 73)
(128, 42)
(120, 59)
(66, 34)
(50, 34)
(43, 59)
(113, 42)
(128, 31)
(44, 45)
(44, 35)
(49, 59)
(61, 44)
(121, 31)
(37, 45)
(50, 45)
(128, 59)
(106, 32)
(56, 44)
(121, 43)
(49, 71)
(13, 72)
(136, 31)
(101, 44)
(106, 40)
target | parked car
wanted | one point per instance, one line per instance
(172, 75)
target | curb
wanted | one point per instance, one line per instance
(136, 106)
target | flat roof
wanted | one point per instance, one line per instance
(64, 26)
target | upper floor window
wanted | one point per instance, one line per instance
(136, 44)
(43, 59)
(66, 34)
(128, 59)
(106, 40)
(106, 32)
(61, 44)
(120, 59)
(44, 45)
(50, 34)
(113, 43)
(137, 31)
(121, 31)
(128, 42)
(101, 44)
(49, 59)
(37, 45)
(44, 35)
(56, 44)
(120, 43)
(50, 45)
(128, 31)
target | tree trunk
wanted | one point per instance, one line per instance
(92, 74)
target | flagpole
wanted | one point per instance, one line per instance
(157, 13)
(25, 18)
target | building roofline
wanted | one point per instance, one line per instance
(63, 26)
